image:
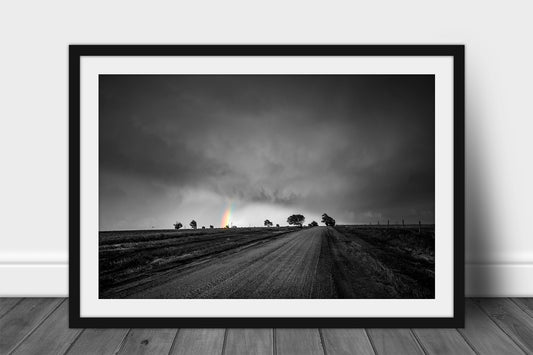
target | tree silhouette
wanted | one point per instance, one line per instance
(193, 224)
(178, 225)
(277, 225)
(211, 226)
(327, 220)
(203, 227)
(296, 219)
(227, 226)
(268, 223)
(313, 224)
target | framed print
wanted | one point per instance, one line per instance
(266, 186)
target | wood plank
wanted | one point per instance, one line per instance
(346, 341)
(7, 303)
(53, 336)
(526, 304)
(443, 341)
(484, 335)
(493, 326)
(148, 341)
(511, 319)
(249, 341)
(199, 341)
(394, 341)
(298, 341)
(16, 324)
(98, 341)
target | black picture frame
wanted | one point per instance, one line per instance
(76, 52)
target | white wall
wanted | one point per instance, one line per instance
(34, 36)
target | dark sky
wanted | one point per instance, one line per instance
(178, 147)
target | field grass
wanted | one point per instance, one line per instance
(128, 256)
(402, 258)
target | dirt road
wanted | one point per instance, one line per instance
(318, 262)
(288, 267)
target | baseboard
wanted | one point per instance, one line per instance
(51, 280)
(499, 280)
(34, 280)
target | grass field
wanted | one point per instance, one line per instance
(405, 255)
(318, 262)
(128, 256)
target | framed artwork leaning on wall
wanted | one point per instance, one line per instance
(266, 186)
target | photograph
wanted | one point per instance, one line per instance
(267, 186)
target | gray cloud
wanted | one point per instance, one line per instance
(359, 147)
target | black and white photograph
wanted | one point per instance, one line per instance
(267, 186)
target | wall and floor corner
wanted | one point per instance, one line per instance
(34, 113)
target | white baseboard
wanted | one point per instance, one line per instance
(499, 280)
(51, 280)
(34, 280)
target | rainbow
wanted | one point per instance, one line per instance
(226, 218)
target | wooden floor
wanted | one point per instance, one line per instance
(40, 326)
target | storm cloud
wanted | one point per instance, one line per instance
(178, 147)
